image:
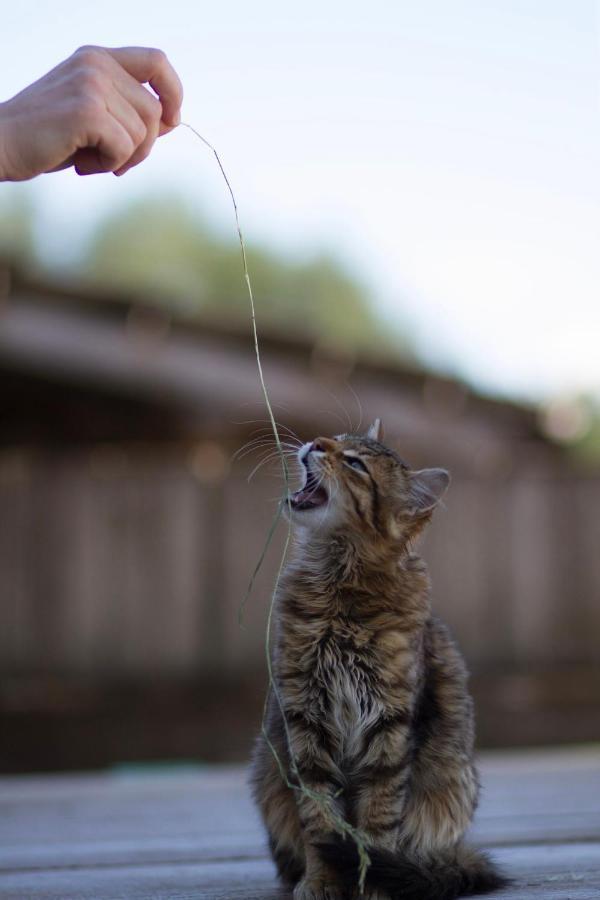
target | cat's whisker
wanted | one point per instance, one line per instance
(263, 431)
(262, 443)
(288, 449)
(257, 448)
(272, 455)
(249, 445)
(259, 466)
(331, 494)
(329, 412)
(264, 434)
(285, 440)
(285, 433)
(360, 409)
(268, 451)
(267, 422)
(343, 409)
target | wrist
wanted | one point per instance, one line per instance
(4, 141)
(11, 163)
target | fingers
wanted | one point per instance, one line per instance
(139, 112)
(114, 91)
(112, 149)
(92, 110)
(144, 148)
(133, 104)
(126, 118)
(152, 66)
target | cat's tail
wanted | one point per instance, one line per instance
(466, 871)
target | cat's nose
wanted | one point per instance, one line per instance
(321, 445)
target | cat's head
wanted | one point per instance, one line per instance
(354, 482)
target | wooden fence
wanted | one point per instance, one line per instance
(121, 561)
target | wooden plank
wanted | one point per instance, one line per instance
(249, 879)
(104, 818)
(564, 871)
(196, 833)
(119, 823)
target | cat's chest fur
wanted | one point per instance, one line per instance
(346, 674)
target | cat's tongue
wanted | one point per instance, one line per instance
(311, 496)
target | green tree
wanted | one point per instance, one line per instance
(17, 225)
(587, 448)
(158, 249)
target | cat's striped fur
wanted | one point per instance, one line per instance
(374, 691)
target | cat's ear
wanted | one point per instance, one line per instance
(427, 487)
(375, 432)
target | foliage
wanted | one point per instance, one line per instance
(586, 449)
(17, 225)
(159, 249)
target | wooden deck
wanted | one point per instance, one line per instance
(194, 834)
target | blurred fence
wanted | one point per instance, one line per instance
(120, 568)
(127, 538)
(125, 563)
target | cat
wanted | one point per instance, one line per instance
(378, 718)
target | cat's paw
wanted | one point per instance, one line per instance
(311, 889)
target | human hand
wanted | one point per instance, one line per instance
(91, 112)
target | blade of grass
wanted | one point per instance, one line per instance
(338, 822)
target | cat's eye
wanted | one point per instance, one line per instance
(355, 463)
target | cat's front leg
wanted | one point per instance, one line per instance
(381, 783)
(319, 881)
(318, 802)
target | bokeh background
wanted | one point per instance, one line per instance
(419, 191)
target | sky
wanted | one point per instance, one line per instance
(447, 152)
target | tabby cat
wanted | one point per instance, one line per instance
(378, 719)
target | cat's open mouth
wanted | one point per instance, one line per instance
(311, 495)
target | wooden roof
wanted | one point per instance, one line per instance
(202, 375)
